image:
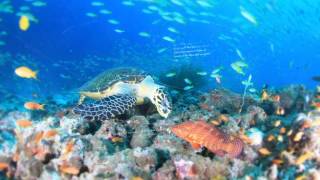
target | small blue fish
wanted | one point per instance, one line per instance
(188, 88)
(144, 34)
(105, 11)
(162, 50)
(186, 80)
(128, 3)
(169, 39)
(89, 14)
(113, 21)
(97, 3)
(119, 31)
(202, 73)
(171, 74)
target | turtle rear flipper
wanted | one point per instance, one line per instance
(106, 108)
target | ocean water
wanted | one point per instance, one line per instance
(64, 45)
(276, 43)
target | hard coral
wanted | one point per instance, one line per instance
(200, 133)
(224, 101)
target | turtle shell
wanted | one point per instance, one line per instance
(111, 76)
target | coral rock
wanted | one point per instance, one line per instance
(141, 137)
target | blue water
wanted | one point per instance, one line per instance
(66, 46)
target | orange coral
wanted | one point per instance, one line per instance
(200, 133)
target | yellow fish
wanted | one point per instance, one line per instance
(24, 23)
(237, 68)
(116, 139)
(264, 95)
(26, 72)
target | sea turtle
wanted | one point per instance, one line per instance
(118, 90)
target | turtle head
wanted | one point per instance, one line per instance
(157, 94)
(162, 102)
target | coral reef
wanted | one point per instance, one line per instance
(257, 143)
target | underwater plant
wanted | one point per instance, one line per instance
(184, 77)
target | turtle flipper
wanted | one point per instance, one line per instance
(106, 108)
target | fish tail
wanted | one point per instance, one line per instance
(34, 76)
(42, 107)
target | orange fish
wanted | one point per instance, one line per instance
(270, 138)
(280, 111)
(69, 147)
(3, 166)
(38, 137)
(69, 170)
(277, 161)
(224, 118)
(264, 151)
(215, 122)
(24, 123)
(50, 133)
(33, 106)
(264, 95)
(301, 159)
(276, 98)
(245, 138)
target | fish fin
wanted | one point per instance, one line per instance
(220, 153)
(195, 146)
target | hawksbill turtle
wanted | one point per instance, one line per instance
(116, 91)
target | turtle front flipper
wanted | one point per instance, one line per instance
(93, 95)
(106, 108)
